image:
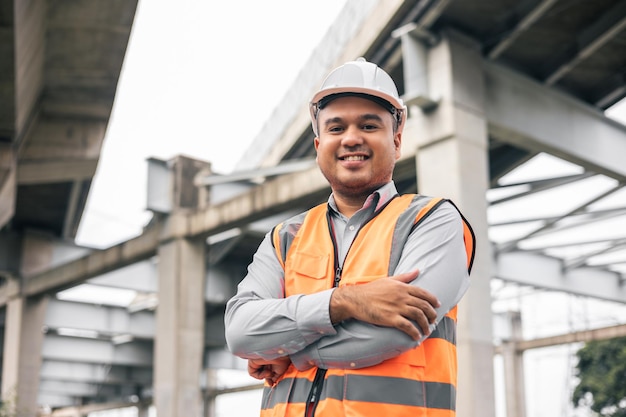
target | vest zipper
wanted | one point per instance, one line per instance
(318, 382)
(337, 276)
(316, 389)
(314, 394)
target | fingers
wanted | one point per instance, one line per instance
(423, 324)
(389, 302)
(426, 302)
(407, 277)
(420, 308)
(409, 328)
(269, 370)
(259, 372)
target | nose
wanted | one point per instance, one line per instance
(352, 136)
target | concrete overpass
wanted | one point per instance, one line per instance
(490, 87)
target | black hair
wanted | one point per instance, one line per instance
(396, 113)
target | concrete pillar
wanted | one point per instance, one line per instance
(210, 409)
(23, 332)
(21, 362)
(180, 317)
(452, 161)
(143, 411)
(514, 380)
(179, 341)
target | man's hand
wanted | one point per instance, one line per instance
(270, 370)
(389, 302)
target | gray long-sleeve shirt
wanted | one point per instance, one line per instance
(261, 323)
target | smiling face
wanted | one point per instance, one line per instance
(357, 147)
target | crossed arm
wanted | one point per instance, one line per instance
(352, 326)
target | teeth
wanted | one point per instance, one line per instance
(354, 158)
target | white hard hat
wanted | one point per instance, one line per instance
(359, 78)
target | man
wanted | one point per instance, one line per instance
(349, 309)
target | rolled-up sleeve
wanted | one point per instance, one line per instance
(261, 323)
(437, 250)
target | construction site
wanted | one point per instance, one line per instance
(511, 110)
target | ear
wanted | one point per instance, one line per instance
(316, 143)
(397, 141)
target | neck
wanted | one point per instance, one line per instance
(348, 205)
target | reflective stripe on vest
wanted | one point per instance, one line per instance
(305, 249)
(364, 388)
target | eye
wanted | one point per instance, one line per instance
(335, 129)
(369, 126)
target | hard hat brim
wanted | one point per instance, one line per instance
(398, 104)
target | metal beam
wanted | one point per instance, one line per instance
(84, 410)
(94, 373)
(108, 321)
(525, 113)
(545, 272)
(550, 225)
(140, 276)
(59, 348)
(574, 337)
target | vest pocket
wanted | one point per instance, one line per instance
(310, 265)
(307, 273)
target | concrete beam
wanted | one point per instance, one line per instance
(273, 197)
(545, 272)
(94, 264)
(61, 170)
(28, 61)
(529, 115)
(8, 183)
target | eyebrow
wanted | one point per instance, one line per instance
(363, 118)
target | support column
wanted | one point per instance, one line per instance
(23, 332)
(514, 370)
(210, 409)
(143, 411)
(21, 362)
(180, 317)
(452, 161)
(179, 341)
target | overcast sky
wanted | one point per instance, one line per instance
(200, 78)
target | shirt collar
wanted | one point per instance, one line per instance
(380, 197)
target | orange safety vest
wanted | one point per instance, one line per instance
(419, 382)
